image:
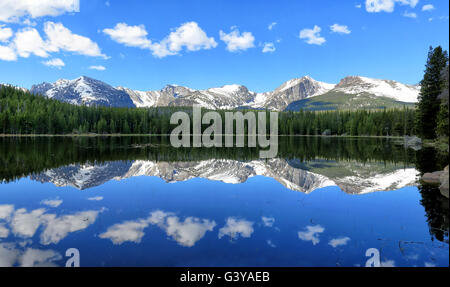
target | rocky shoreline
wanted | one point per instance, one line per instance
(438, 177)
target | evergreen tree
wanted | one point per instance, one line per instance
(442, 125)
(431, 87)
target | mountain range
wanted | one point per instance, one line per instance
(301, 93)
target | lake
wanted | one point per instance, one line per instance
(136, 201)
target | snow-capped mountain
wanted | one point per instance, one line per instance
(160, 98)
(363, 179)
(291, 91)
(84, 91)
(88, 91)
(380, 88)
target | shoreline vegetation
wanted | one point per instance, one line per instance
(167, 135)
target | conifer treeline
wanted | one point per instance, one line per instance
(25, 113)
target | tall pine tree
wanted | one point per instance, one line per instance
(431, 87)
(443, 125)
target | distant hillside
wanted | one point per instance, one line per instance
(335, 100)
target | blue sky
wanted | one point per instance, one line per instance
(145, 45)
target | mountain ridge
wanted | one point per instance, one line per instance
(88, 91)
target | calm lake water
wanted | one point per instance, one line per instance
(136, 201)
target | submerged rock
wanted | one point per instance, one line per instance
(413, 142)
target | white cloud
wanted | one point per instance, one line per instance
(268, 47)
(268, 221)
(429, 264)
(189, 36)
(272, 25)
(13, 10)
(342, 29)
(358, 6)
(237, 41)
(312, 36)
(374, 6)
(98, 68)
(95, 198)
(132, 36)
(61, 38)
(311, 234)
(53, 202)
(7, 54)
(107, 3)
(410, 14)
(235, 227)
(427, 7)
(339, 241)
(28, 41)
(5, 33)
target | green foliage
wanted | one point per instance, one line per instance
(442, 119)
(25, 113)
(432, 86)
(394, 122)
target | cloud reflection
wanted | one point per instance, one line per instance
(311, 234)
(185, 233)
(6, 210)
(235, 227)
(268, 221)
(339, 241)
(58, 228)
(25, 224)
(95, 198)
(10, 256)
(4, 232)
(131, 231)
(52, 202)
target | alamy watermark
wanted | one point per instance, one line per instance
(214, 135)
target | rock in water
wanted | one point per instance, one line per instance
(444, 182)
(413, 142)
(432, 177)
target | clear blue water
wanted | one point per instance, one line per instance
(147, 221)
